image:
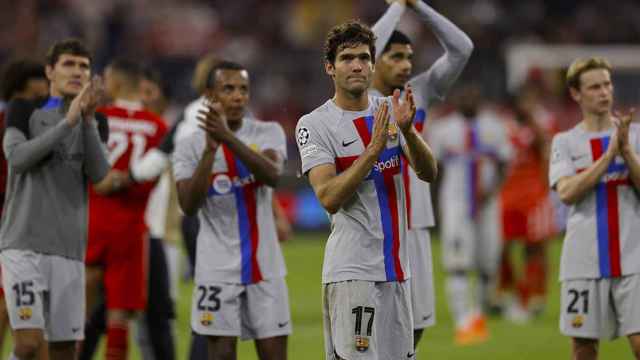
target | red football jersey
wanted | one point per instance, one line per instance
(132, 132)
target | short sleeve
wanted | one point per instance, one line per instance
(560, 164)
(274, 139)
(312, 144)
(186, 156)
(18, 114)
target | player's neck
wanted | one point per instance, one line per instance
(347, 101)
(595, 122)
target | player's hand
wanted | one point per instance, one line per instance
(622, 121)
(94, 97)
(404, 112)
(380, 128)
(86, 102)
(412, 3)
(214, 123)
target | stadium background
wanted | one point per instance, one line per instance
(280, 41)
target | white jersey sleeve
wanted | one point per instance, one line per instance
(311, 137)
(187, 156)
(560, 164)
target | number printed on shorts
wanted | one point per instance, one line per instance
(574, 303)
(209, 300)
(360, 311)
(24, 293)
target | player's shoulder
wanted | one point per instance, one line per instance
(565, 137)
(318, 116)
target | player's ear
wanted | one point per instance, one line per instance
(49, 72)
(575, 94)
(329, 68)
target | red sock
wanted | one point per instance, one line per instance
(537, 275)
(117, 341)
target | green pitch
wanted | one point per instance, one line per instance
(539, 339)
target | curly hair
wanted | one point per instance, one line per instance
(348, 35)
(69, 46)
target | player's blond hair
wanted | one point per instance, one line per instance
(202, 71)
(580, 66)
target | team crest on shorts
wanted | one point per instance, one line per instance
(206, 319)
(25, 313)
(362, 343)
(577, 321)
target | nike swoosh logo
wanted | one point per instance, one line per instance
(348, 143)
(281, 325)
(575, 158)
(75, 330)
(426, 317)
(410, 355)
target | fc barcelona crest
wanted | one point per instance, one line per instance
(362, 343)
(577, 321)
(206, 319)
(25, 313)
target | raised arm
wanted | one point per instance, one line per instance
(266, 166)
(333, 189)
(434, 83)
(417, 150)
(21, 152)
(384, 27)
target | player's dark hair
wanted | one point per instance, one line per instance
(397, 37)
(69, 46)
(16, 74)
(348, 35)
(130, 68)
(222, 65)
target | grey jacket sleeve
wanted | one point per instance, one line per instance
(22, 153)
(435, 83)
(96, 165)
(384, 27)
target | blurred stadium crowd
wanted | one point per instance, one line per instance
(279, 41)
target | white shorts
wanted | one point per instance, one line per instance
(469, 244)
(255, 311)
(422, 289)
(368, 320)
(44, 292)
(600, 308)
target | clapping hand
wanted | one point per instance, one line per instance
(404, 112)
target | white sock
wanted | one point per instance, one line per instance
(458, 294)
(12, 356)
